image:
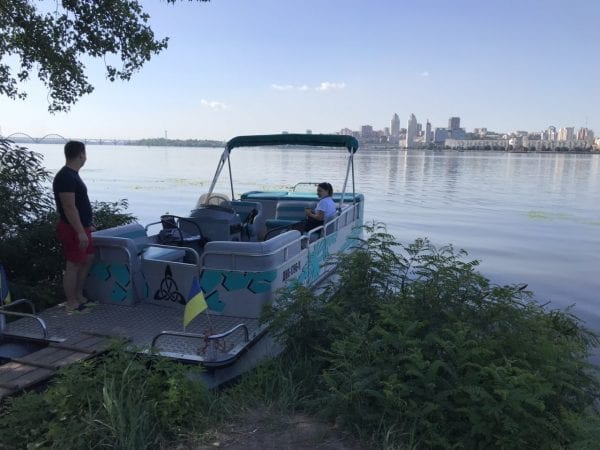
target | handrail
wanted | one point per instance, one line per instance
(30, 316)
(100, 243)
(18, 302)
(215, 337)
(314, 183)
(212, 337)
(233, 253)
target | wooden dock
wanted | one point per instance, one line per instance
(22, 373)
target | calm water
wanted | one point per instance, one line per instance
(529, 218)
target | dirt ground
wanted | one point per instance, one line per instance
(265, 430)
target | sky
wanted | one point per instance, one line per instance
(264, 66)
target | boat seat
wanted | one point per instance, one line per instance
(289, 213)
(217, 222)
(140, 243)
(251, 217)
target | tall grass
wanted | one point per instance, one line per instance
(119, 401)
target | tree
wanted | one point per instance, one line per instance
(22, 188)
(53, 43)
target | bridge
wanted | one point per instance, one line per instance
(53, 138)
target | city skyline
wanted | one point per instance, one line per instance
(417, 135)
(238, 68)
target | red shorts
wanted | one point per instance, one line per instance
(68, 238)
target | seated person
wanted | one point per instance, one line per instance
(324, 210)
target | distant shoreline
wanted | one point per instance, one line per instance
(208, 143)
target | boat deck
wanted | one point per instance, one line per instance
(141, 323)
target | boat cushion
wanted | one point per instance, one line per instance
(288, 213)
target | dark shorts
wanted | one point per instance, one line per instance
(68, 238)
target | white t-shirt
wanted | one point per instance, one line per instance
(327, 205)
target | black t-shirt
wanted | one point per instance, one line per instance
(68, 180)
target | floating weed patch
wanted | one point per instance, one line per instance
(186, 182)
(544, 215)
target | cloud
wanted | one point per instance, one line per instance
(322, 87)
(214, 105)
(424, 74)
(282, 87)
(328, 86)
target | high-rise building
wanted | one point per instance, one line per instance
(428, 134)
(566, 134)
(411, 132)
(366, 131)
(440, 135)
(585, 134)
(453, 123)
(395, 125)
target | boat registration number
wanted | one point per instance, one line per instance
(294, 268)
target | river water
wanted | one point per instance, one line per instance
(529, 217)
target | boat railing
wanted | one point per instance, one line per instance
(20, 302)
(211, 338)
(38, 319)
(132, 255)
(312, 184)
(233, 253)
(348, 215)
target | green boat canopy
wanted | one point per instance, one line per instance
(318, 140)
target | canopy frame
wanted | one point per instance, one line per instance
(314, 140)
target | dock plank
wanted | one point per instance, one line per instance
(27, 377)
(55, 361)
(38, 366)
(12, 370)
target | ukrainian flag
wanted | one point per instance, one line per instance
(4, 292)
(196, 303)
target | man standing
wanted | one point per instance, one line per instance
(74, 229)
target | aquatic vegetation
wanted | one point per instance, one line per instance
(543, 215)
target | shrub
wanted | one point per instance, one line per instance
(118, 401)
(416, 348)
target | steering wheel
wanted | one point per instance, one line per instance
(214, 199)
